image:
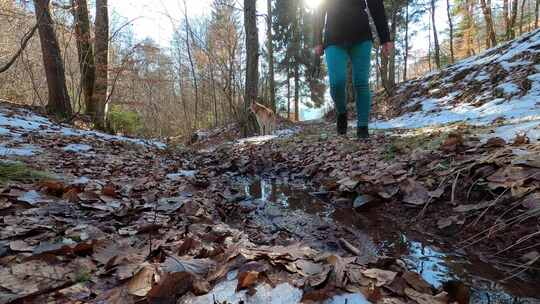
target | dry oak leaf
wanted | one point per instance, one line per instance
(414, 192)
(141, 283)
(424, 298)
(417, 282)
(383, 277)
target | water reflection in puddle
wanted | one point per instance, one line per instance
(283, 201)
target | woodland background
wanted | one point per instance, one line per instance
(214, 66)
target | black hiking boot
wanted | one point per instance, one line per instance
(362, 132)
(342, 124)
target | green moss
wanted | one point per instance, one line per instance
(83, 275)
(17, 171)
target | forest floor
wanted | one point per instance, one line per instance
(421, 217)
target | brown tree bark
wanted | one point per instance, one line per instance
(270, 47)
(450, 30)
(435, 36)
(85, 53)
(296, 50)
(521, 17)
(490, 29)
(512, 23)
(192, 65)
(59, 101)
(252, 62)
(406, 47)
(99, 97)
(536, 12)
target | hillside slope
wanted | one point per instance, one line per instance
(500, 86)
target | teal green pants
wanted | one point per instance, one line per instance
(337, 57)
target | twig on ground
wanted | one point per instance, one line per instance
(350, 247)
(490, 205)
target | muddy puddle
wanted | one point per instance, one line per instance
(280, 211)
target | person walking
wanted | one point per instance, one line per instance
(347, 36)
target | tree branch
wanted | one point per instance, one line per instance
(24, 43)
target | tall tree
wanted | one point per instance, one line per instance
(490, 28)
(511, 34)
(450, 31)
(85, 53)
(252, 60)
(102, 62)
(270, 49)
(191, 63)
(435, 36)
(521, 17)
(59, 101)
(406, 43)
(536, 12)
(296, 50)
(506, 18)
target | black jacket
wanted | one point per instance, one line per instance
(347, 22)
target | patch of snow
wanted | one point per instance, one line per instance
(283, 133)
(77, 148)
(27, 150)
(509, 88)
(256, 139)
(429, 105)
(351, 298)
(27, 121)
(182, 173)
(4, 131)
(225, 292)
(520, 108)
(284, 293)
(286, 132)
(33, 197)
(508, 132)
(509, 65)
(83, 180)
(482, 76)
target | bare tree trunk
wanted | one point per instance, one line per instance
(435, 36)
(252, 61)
(270, 46)
(192, 65)
(392, 59)
(296, 42)
(429, 46)
(59, 101)
(536, 12)
(490, 29)
(451, 31)
(288, 93)
(406, 47)
(512, 23)
(102, 62)
(85, 53)
(521, 17)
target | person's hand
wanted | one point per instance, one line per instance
(319, 50)
(387, 48)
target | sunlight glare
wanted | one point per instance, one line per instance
(312, 4)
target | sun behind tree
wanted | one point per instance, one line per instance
(312, 4)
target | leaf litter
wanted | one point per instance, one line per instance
(129, 224)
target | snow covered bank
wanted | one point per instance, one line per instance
(501, 84)
(17, 123)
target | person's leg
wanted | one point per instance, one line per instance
(336, 60)
(361, 62)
